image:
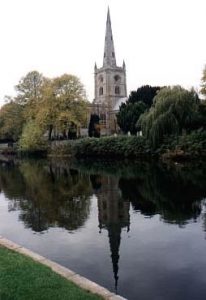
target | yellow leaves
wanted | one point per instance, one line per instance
(51, 103)
(65, 120)
(64, 98)
(11, 120)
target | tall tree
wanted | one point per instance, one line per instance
(11, 121)
(29, 87)
(145, 94)
(128, 116)
(58, 103)
(63, 104)
(137, 103)
(174, 110)
(203, 85)
(94, 127)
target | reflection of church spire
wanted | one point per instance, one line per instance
(113, 215)
(114, 232)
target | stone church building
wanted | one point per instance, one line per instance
(110, 85)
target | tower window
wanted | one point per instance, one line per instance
(117, 77)
(101, 91)
(101, 79)
(104, 54)
(103, 119)
(117, 90)
(112, 54)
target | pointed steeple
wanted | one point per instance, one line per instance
(95, 67)
(114, 231)
(109, 53)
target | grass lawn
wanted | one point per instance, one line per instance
(23, 279)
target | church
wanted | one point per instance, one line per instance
(110, 88)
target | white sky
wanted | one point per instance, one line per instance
(163, 42)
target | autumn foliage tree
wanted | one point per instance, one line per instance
(58, 104)
(29, 88)
(63, 105)
(11, 121)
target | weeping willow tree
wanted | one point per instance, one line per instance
(173, 111)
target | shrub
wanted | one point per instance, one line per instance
(32, 138)
(122, 146)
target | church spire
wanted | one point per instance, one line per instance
(109, 53)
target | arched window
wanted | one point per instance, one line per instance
(117, 90)
(101, 91)
(117, 78)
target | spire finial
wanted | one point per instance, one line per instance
(108, 14)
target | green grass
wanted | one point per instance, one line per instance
(23, 279)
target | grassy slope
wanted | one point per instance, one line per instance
(23, 279)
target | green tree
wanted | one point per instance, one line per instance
(203, 85)
(145, 94)
(137, 103)
(173, 111)
(199, 117)
(94, 127)
(11, 121)
(29, 87)
(129, 114)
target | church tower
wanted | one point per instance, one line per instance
(109, 80)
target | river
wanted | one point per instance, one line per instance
(137, 228)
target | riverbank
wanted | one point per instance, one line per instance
(185, 147)
(175, 148)
(27, 275)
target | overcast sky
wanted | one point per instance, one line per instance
(163, 42)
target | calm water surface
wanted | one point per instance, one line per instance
(137, 229)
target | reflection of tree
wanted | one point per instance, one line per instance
(53, 193)
(174, 194)
(47, 195)
(11, 181)
(173, 191)
(95, 181)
